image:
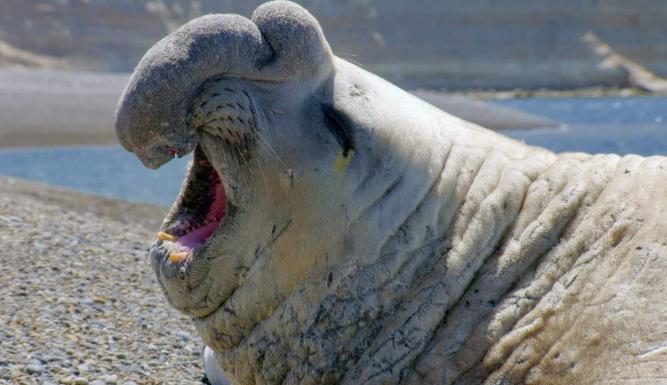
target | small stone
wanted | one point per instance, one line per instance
(70, 380)
(109, 379)
(35, 368)
(52, 358)
(97, 382)
(183, 335)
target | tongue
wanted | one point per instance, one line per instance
(216, 212)
(196, 238)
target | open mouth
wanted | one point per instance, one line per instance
(199, 210)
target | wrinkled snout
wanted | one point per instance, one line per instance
(282, 42)
(225, 110)
(152, 118)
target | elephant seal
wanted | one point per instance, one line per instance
(334, 229)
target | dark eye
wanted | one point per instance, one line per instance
(338, 124)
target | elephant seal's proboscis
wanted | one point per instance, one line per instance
(335, 229)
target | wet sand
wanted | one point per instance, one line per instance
(57, 108)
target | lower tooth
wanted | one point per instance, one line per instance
(166, 237)
(177, 256)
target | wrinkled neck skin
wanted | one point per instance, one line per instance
(414, 247)
(372, 238)
(347, 267)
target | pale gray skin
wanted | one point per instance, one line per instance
(433, 252)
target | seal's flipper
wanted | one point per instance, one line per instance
(214, 374)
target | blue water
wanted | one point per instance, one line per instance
(108, 171)
(618, 125)
(644, 110)
(633, 139)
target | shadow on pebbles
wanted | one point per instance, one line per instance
(79, 303)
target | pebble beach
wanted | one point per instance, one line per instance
(79, 302)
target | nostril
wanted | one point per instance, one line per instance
(155, 156)
(172, 151)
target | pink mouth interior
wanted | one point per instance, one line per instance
(196, 235)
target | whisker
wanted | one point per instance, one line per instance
(243, 159)
(258, 136)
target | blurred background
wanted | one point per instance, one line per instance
(575, 75)
(79, 302)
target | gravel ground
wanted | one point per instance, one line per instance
(79, 303)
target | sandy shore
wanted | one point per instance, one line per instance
(80, 304)
(57, 108)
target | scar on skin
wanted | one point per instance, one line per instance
(343, 160)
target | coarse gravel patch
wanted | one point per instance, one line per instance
(79, 303)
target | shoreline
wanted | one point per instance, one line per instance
(46, 108)
(145, 215)
(55, 144)
(49, 108)
(585, 92)
(14, 140)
